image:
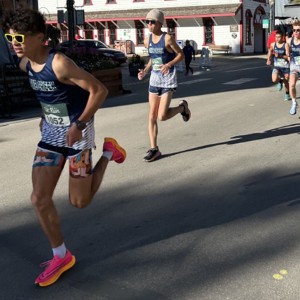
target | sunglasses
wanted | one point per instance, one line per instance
(152, 22)
(19, 38)
(296, 30)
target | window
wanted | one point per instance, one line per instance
(248, 18)
(112, 30)
(111, 2)
(87, 2)
(208, 31)
(258, 16)
(139, 32)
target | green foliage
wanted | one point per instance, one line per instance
(136, 60)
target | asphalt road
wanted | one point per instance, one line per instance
(217, 217)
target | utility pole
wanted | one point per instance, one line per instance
(272, 14)
(70, 10)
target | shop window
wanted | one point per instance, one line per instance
(87, 2)
(208, 31)
(258, 16)
(139, 32)
(112, 29)
(248, 29)
(101, 35)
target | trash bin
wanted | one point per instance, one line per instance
(128, 47)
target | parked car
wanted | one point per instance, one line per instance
(116, 55)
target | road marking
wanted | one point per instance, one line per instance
(280, 275)
(195, 81)
(245, 69)
(239, 81)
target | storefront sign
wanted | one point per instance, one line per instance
(234, 28)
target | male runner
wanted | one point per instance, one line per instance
(69, 97)
(294, 52)
(164, 55)
(280, 73)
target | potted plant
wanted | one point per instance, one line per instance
(135, 64)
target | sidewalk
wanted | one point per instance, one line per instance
(33, 110)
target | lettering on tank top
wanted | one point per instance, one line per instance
(42, 86)
(153, 50)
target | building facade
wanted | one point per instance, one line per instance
(285, 11)
(6, 5)
(237, 23)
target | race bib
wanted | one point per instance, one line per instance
(297, 60)
(56, 114)
(281, 62)
(156, 63)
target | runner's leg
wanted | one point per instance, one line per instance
(154, 103)
(166, 112)
(83, 188)
(44, 180)
(292, 84)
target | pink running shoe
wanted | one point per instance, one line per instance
(119, 154)
(54, 268)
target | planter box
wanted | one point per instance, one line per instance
(134, 68)
(112, 79)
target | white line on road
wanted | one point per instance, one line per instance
(239, 81)
(245, 69)
(195, 81)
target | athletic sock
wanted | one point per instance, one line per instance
(108, 154)
(60, 250)
(294, 100)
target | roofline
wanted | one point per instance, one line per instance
(142, 13)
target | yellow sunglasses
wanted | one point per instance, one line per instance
(19, 38)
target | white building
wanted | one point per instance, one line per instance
(286, 11)
(237, 23)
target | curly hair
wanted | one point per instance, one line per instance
(24, 21)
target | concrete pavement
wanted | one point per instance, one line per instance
(217, 217)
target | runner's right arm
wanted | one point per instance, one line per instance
(144, 71)
(270, 54)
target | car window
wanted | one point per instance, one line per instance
(65, 44)
(100, 45)
(89, 44)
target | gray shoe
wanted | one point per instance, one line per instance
(186, 114)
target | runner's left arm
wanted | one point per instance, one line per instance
(69, 73)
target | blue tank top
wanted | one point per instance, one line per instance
(50, 91)
(62, 104)
(281, 50)
(295, 53)
(159, 54)
(279, 61)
